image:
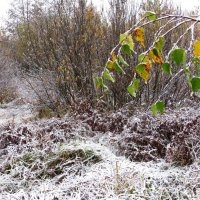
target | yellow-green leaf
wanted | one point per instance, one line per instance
(127, 39)
(159, 44)
(144, 58)
(154, 109)
(134, 87)
(123, 36)
(106, 74)
(122, 61)
(151, 15)
(100, 83)
(143, 71)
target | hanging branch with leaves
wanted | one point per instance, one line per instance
(153, 56)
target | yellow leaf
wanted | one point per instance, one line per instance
(196, 51)
(156, 56)
(110, 65)
(138, 34)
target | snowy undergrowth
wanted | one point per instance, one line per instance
(112, 178)
(78, 158)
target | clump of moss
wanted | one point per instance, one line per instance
(85, 156)
(56, 163)
(53, 164)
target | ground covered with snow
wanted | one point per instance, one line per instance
(90, 154)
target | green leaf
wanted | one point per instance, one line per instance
(195, 81)
(122, 61)
(134, 87)
(100, 83)
(151, 15)
(167, 68)
(178, 56)
(106, 74)
(126, 49)
(154, 109)
(118, 68)
(159, 44)
(158, 106)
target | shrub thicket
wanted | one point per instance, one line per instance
(64, 46)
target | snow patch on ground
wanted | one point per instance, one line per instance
(13, 113)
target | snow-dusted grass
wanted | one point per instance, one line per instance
(25, 172)
(112, 178)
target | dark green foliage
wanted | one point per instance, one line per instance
(195, 84)
(178, 56)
